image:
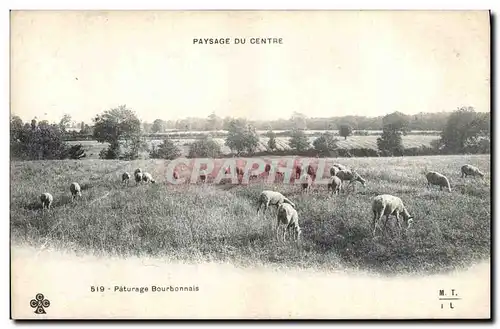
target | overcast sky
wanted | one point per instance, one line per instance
(330, 63)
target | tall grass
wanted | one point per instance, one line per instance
(219, 222)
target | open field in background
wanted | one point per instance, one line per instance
(93, 147)
(174, 132)
(219, 222)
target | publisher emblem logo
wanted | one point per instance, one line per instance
(39, 304)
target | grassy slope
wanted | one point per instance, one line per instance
(220, 223)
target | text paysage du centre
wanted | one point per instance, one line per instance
(236, 41)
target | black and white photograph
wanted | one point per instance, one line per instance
(250, 164)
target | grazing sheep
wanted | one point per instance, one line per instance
(334, 184)
(268, 197)
(176, 174)
(333, 171)
(387, 205)
(340, 167)
(435, 178)
(288, 219)
(75, 190)
(46, 199)
(351, 176)
(125, 177)
(146, 177)
(470, 170)
(138, 178)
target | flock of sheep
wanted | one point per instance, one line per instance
(382, 205)
(287, 216)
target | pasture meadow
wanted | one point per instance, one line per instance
(198, 223)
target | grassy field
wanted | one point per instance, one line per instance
(219, 222)
(93, 147)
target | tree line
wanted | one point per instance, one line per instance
(465, 131)
(420, 121)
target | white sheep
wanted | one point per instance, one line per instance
(46, 199)
(333, 171)
(340, 167)
(350, 176)
(147, 177)
(268, 197)
(435, 178)
(334, 184)
(125, 178)
(138, 177)
(75, 189)
(470, 170)
(387, 205)
(287, 218)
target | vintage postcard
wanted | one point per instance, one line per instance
(250, 164)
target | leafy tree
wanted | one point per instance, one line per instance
(464, 131)
(65, 122)
(213, 122)
(299, 121)
(391, 142)
(299, 140)
(325, 144)
(45, 123)
(241, 137)
(205, 148)
(158, 126)
(397, 121)
(34, 142)
(115, 125)
(16, 122)
(345, 131)
(271, 143)
(166, 150)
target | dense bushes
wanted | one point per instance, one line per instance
(40, 142)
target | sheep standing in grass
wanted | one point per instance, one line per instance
(334, 184)
(75, 189)
(287, 218)
(146, 177)
(138, 178)
(138, 170)
(333, 171)
(435, 178)
(46, 199)
(387, 205)
(350, 176)
(125, 178)
(268, 197)
(470, 170)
